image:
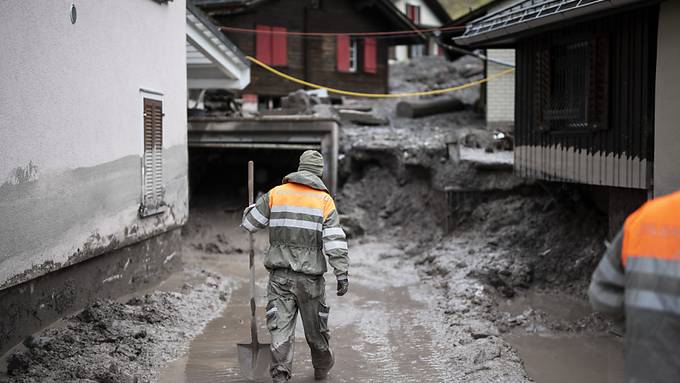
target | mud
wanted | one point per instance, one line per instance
(498, 297)
(111, 341)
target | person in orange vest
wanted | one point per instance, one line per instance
(639, 278)
(305, 237)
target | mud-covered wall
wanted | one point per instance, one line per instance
(71, 123)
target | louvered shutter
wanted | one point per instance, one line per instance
(279, 46)
(342, 43)
(263, 44)
(152, 189)
(370, 53)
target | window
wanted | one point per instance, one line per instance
(347, 54)
(416, 50)
(271, 45)
(153, 191)
(413, 13)
(370, 56)
(353, 55)
(571, 87)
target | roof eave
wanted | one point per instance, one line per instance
(508, 35)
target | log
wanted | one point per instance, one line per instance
(414, 109)
(361, 118)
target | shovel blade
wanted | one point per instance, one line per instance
(254, 360)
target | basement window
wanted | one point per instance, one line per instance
(153, 191)
(572, 85)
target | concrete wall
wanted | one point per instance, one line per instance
(500, 94)
(667, 98)
(71, 123)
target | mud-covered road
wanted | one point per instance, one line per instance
(388, 328)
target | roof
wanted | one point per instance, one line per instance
(213, 62)
(525, 18)
(392, 14)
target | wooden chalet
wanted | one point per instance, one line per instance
(358, 63)
(596, 94)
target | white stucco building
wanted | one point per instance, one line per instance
(93, 155)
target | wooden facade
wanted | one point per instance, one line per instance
(585, 101)
(315, 59)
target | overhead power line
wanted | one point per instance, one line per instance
(358, 34)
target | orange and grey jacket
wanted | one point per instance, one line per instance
(303, 226)
(639, 277)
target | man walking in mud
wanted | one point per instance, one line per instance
(639, 278)
(303, 226)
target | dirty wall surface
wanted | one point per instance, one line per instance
(72, 131)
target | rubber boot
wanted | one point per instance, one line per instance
(322, 373)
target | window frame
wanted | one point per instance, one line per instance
(558, 73)
(353, 57)
(156, 205)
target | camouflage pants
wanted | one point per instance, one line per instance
(289, 292)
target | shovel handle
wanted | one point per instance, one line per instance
(251, 198)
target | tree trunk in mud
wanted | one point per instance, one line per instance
(414, 109)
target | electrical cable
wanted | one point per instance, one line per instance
(378, 95)
(358, 34)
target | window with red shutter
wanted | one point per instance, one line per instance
(413, 13)
(370, 56)
(342, 54)
(279, 46)
(263, 44)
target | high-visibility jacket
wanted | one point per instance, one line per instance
(303, 226)
(639, 277)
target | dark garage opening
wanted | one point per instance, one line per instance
(218, 177)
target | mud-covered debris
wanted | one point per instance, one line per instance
(115, 342)
(361, 118)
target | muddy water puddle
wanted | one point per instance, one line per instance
(557, 357)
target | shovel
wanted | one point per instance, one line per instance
(253, 357)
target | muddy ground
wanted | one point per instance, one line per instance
(460, 272)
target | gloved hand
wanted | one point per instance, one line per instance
(343, 284)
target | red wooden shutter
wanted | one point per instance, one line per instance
(279, 46)
(342, 42)
(413, 13)
(370, 56)
(263, 44)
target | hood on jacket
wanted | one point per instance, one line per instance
(306, 178)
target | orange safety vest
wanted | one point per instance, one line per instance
(653, 230)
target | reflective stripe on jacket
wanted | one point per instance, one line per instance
(639, 277)
(303, 226)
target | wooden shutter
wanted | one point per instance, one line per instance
(342, 43)
(152, 189)
(370, 56)
(263, 44)
(279, 46)
(413, 13)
